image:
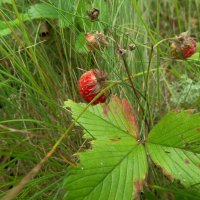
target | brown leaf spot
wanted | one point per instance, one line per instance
(106, 109)
(187, 161)
(138, 187)
(166, 173)
(115, 139)
(199, 165)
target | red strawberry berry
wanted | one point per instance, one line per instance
(189, 49)
(91, 83)
(184, 46)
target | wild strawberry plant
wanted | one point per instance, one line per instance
(116, 166)
(118, 163)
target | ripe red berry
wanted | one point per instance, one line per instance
(91, 83)
(189, 48)
(184, 46)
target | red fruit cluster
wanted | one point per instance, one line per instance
(91, 84)
(184, 46)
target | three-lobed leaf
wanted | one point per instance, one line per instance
(174, 146)
(116, 166)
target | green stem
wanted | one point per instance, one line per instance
(135, 91)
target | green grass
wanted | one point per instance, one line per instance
(35, 81)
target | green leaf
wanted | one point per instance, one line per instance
(84, 21)
(43, 10)
(82, 18)
(178, 192)
(103, 6)
(114, 120)
(174, 146)
(116, 166)
(65, 10)
(196, 56)
(80, 44)
(61, 11)
(4, 30)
